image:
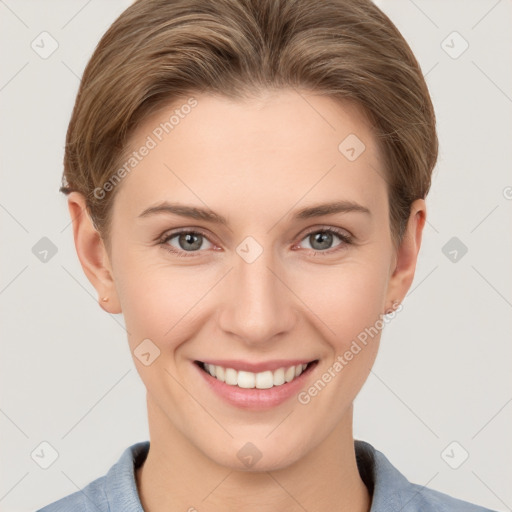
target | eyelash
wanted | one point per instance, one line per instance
(346, 240)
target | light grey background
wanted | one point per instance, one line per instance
(444, 367)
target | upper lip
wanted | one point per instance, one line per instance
(238, 364)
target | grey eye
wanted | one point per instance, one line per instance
(321, 240)
(188, 241)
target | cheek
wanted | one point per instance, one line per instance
(151, 297)
(345, 306)
(345, 299)
(161, 302)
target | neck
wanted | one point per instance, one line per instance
(176, 476)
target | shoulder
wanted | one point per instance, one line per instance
(391, 490)
(91, 497)
(115, 491)
(428, 500)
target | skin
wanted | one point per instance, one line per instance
(256, 163)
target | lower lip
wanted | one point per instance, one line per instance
(253, 398)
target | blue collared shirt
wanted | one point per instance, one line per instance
(391, 491)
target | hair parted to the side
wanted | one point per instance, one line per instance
(158, 51)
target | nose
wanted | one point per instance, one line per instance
(258, 304)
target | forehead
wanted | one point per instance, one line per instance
(270, 152)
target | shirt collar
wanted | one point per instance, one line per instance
(390, 490)
(121, 483)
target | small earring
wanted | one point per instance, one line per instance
(105, 299)
(391, 309)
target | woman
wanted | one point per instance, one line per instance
(247, 183)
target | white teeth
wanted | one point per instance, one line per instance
(231, 377)
(289, 374)
(246, 379)
(261, 380)
(220, 373)
(279, 377)
(264, 380)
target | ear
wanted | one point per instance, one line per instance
(406, 256)
(92, 253)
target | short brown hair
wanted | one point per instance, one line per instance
(160, 50)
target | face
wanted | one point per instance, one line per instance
(265, 278)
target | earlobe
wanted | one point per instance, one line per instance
(92, 254)
(407, 254)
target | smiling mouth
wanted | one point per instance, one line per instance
(261, 380)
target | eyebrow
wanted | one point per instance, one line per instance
(205, 214)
